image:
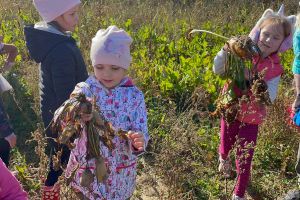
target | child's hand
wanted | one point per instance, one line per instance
(12, 140)
(226, 47)
(137, 140)
(296, 103)
(86, 117)
(7, 66)
(12, 52)
(229, 44)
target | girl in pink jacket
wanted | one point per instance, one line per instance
(273, 34)
(122, 104)
(10, 188)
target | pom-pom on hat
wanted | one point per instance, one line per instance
(51, 9)
(111, 46)
(288, 41)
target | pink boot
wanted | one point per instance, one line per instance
(51, 192)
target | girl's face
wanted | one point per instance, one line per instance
(69, 20)
(109, 75)
(270, 39)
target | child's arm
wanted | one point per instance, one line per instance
(12, 53)
(219, 62)
(139, 134)
(220, 59)
(296, 69)
(296, 103)
(273, 87)
(297, 83)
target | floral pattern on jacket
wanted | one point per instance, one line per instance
(125, 108)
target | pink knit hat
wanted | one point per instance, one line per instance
(50, 9)
(111, 46)
(288, 41)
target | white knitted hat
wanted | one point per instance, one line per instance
(50, 9)
(111, 46)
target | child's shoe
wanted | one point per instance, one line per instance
(225, 167)
(235, 197)
(51, 192)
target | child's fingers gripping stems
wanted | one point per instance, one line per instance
(137, 139)
(229, 44)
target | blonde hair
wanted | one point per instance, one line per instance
(278, 20)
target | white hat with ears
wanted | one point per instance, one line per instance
(288, 41)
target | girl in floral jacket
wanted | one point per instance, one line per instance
(122, 104)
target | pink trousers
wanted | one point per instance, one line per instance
(243, 137)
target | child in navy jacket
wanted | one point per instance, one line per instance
(61, 63)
